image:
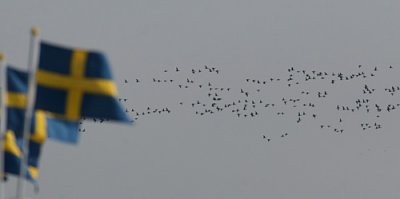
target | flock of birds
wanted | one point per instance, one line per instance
(251, 97)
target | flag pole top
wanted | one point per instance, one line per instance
(35, 31)
(2, 56)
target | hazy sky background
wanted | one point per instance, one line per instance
(182, 155)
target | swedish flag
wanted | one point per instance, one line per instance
(42, 126)
(13, 156)
(15, 104)
(76, 83)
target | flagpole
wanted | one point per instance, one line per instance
(3, 119)
(32, 64)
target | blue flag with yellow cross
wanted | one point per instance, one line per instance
(77, 83)
(43, 125)
(15, 107)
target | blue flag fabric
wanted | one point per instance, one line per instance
(77, 83)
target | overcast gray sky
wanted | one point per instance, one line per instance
(180, 154)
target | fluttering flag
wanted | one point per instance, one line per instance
(76, 83)
(13, 156)
(15, 107)
(42, 126)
